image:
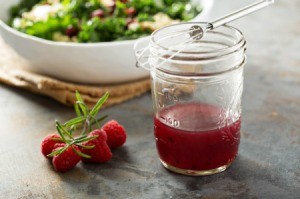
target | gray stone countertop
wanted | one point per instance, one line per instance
(268, 164)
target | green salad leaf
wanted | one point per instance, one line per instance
(95, 20)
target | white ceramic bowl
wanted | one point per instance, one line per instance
(94, 63)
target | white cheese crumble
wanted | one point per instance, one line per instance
(57, 36)
(160, 20)
(107, 3)
(41, 12)
(134, 26)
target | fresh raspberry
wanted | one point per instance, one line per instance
(58, 145)
(48, 143)
(66, 160)
(101, 152)
(116, 135)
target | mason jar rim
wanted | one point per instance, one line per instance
(240, 43)
(223, 44)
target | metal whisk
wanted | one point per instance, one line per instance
(196, 32)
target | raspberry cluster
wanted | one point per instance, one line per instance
(93, 145)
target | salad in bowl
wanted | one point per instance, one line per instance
(98, 20)
(89, 41)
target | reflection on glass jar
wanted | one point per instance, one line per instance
(197, 99)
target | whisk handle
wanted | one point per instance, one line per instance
(240, 13)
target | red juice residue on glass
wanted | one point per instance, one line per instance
(181, 144)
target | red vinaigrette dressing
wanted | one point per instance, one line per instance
(180, 146)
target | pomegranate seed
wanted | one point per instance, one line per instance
(98, 13)
(130, 11)
(129, 21)
(71, 31)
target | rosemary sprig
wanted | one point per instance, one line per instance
(70, 141)
(85, 119)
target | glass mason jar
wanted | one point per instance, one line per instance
(197, 98)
